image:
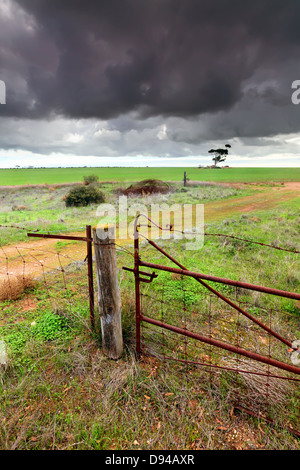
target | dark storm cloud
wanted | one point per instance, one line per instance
(185, 58)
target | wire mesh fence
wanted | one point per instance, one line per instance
(53, 265)
(202, 313)
(226, 333)
(50, 271)
(207, 333)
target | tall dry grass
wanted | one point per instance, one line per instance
(12, 288)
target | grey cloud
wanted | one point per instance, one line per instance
(209, 70)
(160, 58)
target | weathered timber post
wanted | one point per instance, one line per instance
(109, 298)
(184, 179)
(89, 257)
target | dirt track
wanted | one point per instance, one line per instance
(264, 200)
(37, 255)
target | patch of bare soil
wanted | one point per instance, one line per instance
(26, 304)
(37, 257)
(292, 186)
(282, 186)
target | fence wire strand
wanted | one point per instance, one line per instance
(162, 302)
(25, 266)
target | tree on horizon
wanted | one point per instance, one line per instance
(220, 154)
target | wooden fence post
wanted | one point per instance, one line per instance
(90, 275)
(109, 298)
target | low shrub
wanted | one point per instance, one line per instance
(84, 195)
(12, 288)
(146, 187)
(90, 179)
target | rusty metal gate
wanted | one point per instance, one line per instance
(250, 340)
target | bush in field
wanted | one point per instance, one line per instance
(13, 288)
(84, 195)
(90, 179)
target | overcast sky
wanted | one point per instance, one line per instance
(149, 82)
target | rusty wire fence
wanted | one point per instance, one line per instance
(212, 324)
(180, 317)
(53, 268)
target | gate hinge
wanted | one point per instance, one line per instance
(152, 275)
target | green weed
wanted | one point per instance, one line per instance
(50, 326)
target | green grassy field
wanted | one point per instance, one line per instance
(70, 175)
(58, 391)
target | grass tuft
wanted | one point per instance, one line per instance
(14, 287)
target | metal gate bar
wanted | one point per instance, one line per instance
(229, 282)
(220, 344)
(183, 270)
(198, 277)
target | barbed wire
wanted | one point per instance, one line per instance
(250, 241)
(73, 229)
(170, 228)
(18, 227)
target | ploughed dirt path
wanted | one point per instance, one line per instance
(264, 200)
(37, 256)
